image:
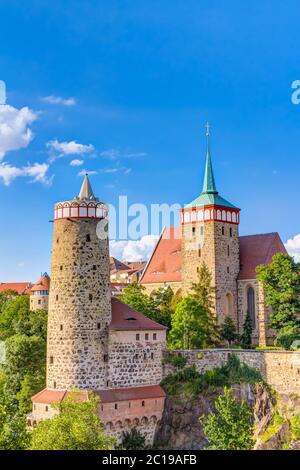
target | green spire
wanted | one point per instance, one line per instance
(209, 185)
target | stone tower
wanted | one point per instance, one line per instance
(79, 299)
(39, 293)
(210, 235)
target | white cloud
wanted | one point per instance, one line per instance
(133, 250)
(14, 128)
(293, 247)
(59, 100)
(86, 172)
(69, 148)
(115, 154)
(36, 172)
(76, 162)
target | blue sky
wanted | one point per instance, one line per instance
(133, 83)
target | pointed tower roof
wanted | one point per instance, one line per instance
(209, 185)
(209, 194)
(86, 191)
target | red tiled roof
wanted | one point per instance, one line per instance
(19, 287)
(258, 249)
(55, 396)
(116, 265)
(126, 318)
(165, 262)
(42, 284)
(106, 396)
(132, 393)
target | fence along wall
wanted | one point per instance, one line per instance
(280, 369)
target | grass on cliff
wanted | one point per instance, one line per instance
(192, 383)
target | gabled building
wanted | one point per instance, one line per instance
(209, 233)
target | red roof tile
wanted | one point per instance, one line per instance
(258, 249)
(19, 287)
(165, 262)
(55, 396)
(132, 393)
(126, 318)
(42, 284)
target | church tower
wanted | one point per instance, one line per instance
(80, 299)
(210, 227)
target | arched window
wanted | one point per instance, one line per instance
(229, 304)
(251, 305)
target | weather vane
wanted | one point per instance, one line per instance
(207, 127)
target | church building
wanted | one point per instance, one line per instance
(209, 233)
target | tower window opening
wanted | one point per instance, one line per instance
(56, 297)
(199, 251)
(137, 337)
(39, 301)
(105, 357)
(230, 231)
(54, 384)
(143, 403)
(57, 240)
(228, 269)
(51, 360)
(145, 356)
(193, 230)
(61, 268)
(136, 356)
(146, 336)
(116, 406)
(46, 408)
(88, 237)
(61, 327)
(152, 356)
(94, 267)
(223, 230)
(228, 251)
(99, 326)
(91, 297)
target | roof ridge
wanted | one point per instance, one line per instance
(259, 234)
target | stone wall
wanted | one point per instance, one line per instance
(280, 369)
(38, 302)
(79, 307)
(134, 362)
(152, 287)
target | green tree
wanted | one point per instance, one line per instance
(156, 307)
(230, 427)
(246, 336)
(76, 427)
(281, 282)
(6, 296)
(287, 335)
(15, 311)
(133, 440)
(228, 330)
(190, 325)
(203, 292)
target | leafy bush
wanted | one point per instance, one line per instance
(132, 440)
(193, 383)
(176, 361)
(287, 335)
(295, 426)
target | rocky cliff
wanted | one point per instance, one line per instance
(274, 416)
